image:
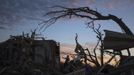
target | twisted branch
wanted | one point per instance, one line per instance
(84, 12)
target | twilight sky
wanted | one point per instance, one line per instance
(24, 15)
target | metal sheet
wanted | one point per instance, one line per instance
(117, 41)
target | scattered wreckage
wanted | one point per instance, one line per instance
(27, 55)
(114, 41)
(31, 55)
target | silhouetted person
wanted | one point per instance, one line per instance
(66, 61)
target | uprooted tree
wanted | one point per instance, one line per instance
(92, 15)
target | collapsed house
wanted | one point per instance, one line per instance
(119, 42)
(26, 52)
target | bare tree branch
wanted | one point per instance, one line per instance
(92, 58)
(90, 14)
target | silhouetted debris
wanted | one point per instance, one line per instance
(118, 41)
(33, 55)
(25, 55)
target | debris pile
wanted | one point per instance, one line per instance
(33, 55)
(27, 55)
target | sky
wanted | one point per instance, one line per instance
(17, 16)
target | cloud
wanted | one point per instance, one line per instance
(78, 3)
(13, 12)
(2, 28)
(115, 4)
(112, 4)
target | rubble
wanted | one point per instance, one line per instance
(25, 55)
(33, 55)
